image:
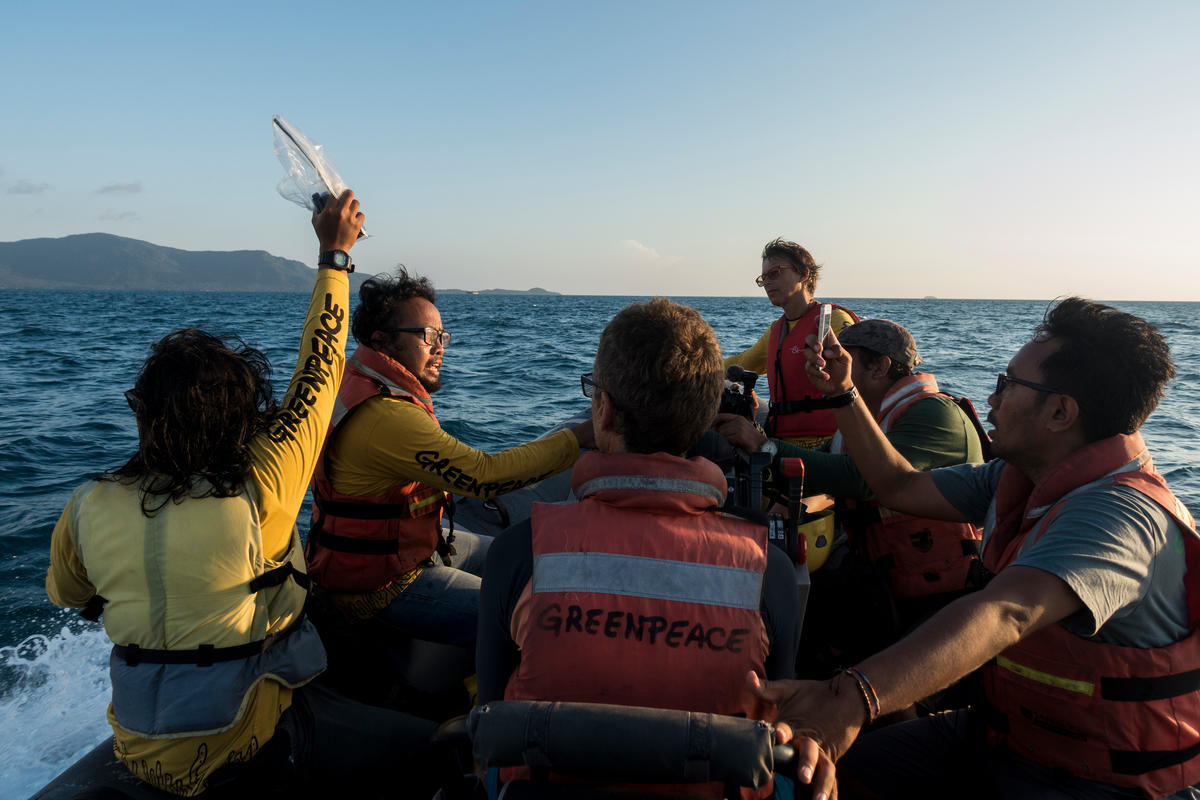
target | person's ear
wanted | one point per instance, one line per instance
(1064, 413)
(606, 412)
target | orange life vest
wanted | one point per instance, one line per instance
(797, 408)
(361, 543)
(1124, 716)
(642, 593)
(920, 557)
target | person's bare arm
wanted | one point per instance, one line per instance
(585, 432)
(896, 483)
(957, 640)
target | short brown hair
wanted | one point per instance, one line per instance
(800, 259)
(661, 365)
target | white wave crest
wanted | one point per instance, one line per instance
(56, 691)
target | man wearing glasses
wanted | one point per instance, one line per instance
(1088, 631)
(798, 412)
(641, 593)
(376, 544)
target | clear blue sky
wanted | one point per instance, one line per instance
(957, 149)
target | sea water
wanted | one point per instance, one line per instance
(511, 374)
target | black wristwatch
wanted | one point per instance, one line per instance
(336, 259)
(844, 399)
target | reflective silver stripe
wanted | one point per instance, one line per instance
(656, 578)
(339, 411)
(925, 384)
(652, 484)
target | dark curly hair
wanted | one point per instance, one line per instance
(661, 365)
(800, 259)
(199, 400)
(381, 295)
(1114, 364)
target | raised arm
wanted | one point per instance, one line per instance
(896, 483)
(285, 453)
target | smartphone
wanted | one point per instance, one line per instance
(823, 319)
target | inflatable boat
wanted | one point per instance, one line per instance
(432, 680)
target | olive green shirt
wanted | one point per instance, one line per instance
(933, 432)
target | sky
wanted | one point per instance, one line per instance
(957, 149)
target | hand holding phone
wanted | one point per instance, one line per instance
(823, 321)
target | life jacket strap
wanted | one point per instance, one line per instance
(275, 577)
(341, 508)
(445, 544)
(786, 407)
(1122, 762)
(1139, 762)
(353, 545)
(206, 654)
(94, 607)
(985, 441)
(1141, 690)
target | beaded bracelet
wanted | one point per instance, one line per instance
(867, 690)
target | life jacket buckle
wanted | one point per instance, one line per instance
(133, 655)
(204, 655)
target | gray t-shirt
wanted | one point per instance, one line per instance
(1118, 550)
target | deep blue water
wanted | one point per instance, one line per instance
(512, 372)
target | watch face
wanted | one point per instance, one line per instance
(336, 258)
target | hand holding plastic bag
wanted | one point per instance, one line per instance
(310, 176)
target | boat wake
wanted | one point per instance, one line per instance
(54, 690)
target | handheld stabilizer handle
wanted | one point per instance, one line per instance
(793, 468)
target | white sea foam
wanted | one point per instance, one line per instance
(52, 711)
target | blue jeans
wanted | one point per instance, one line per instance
(442, 604)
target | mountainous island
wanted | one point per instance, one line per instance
(105, 261)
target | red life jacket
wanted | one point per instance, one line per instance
(1124, 716)
(797, 408)
(642, 594)
(921, 557)
(362, 543)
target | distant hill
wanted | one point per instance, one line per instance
(534, 290)
(104, 261)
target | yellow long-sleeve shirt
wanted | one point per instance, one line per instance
(389, 441)
(283, 457)
(756, 358)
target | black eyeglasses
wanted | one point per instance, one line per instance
(1004, 378)
(772, 274)
(432, 336)
(590, 387)
(132, 398)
